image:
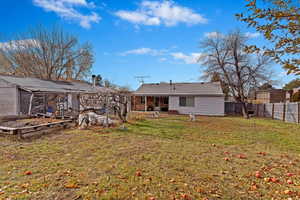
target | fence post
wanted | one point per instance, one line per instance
(257, 110)
(284, 106)
(273, 107)
(264, 110)
(298, 112)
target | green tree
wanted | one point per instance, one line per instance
(279, 22)
(292, 84)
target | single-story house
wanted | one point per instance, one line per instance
(28, 96)
(182, 98)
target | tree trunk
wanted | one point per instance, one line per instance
(245, 110)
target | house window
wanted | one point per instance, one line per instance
(142, 100)
(166, 100)
(186, 101)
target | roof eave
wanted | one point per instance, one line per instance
(177, 94)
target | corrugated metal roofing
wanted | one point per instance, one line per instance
(39, 85)
(155, 89)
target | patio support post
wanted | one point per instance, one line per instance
(145, 103)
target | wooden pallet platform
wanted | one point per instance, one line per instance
(20, 131)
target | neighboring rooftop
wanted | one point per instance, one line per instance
(39, 85)
(196, 88)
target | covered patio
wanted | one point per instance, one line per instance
(150, 103)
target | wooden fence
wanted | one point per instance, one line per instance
(288, 112)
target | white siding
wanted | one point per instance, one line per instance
(9, 101)
(203, 106)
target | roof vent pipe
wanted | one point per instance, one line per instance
(94, 80)
(171, 84)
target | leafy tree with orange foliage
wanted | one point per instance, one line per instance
(279, 22)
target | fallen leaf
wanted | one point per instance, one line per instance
(241, 156)
(28, 173)
(25, 185)
(71, 185)
(226, 159)
(287, 192)
(138, 173)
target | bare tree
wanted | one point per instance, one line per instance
(48, 54)
(238, 70)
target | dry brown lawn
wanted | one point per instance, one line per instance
(166, 158)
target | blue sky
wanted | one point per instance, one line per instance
(132, 38)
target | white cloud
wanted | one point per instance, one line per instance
(192, 58)
(138, 18)
(144, 51)
(252, 35)
(163, 59)
(67, 9)
(213, 34)
(165, 54)
(154, 13)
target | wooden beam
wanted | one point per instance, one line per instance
(32, 127)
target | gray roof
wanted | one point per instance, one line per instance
(201, 89)
(39, 85)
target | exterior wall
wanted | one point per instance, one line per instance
(263, 97)
(277, 96)
(273, 96)
(203, 106)
(9, 101)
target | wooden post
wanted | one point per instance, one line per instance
(257, 110)
(298, 113)
(133, 102)
(145, 103)
(159, 103)
(284, 108)
(45, 103)
(273, 107)
(264, 110)
(30, 104)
